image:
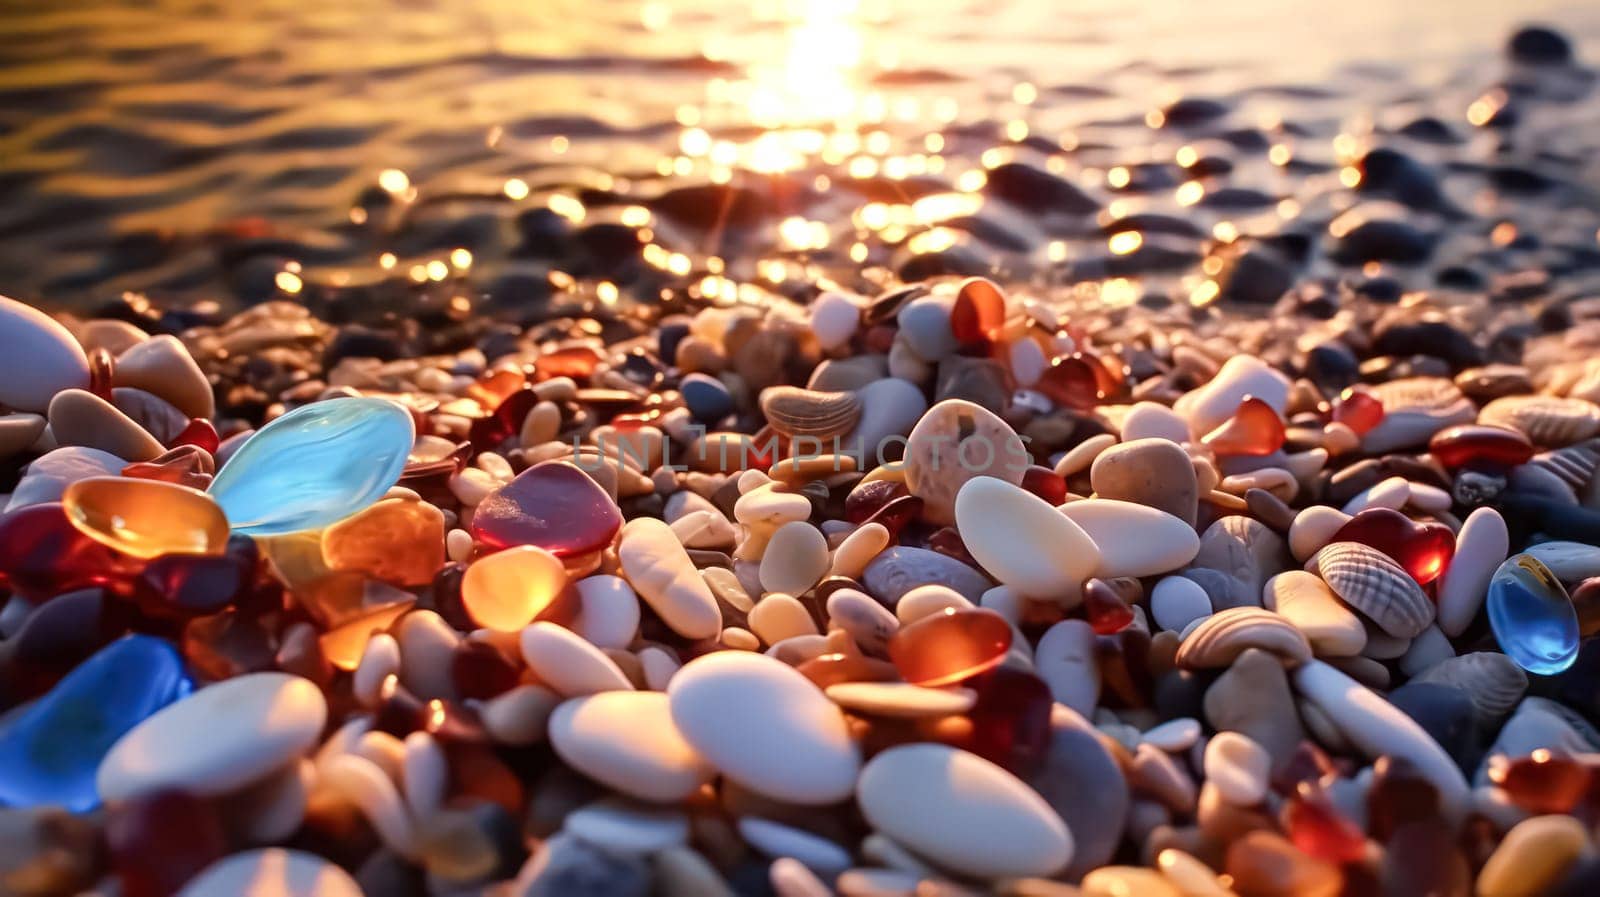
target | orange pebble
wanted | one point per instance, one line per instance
(507, 589)
(146, 518)
(398, 540)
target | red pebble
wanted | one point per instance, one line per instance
(42, 554)
(182, 586)
(1358, 409)
(1105, 608)
(979, 313)
(896, 514)
(947, 541)
(1423, 549)
(1318, 828)
(488, 432)
(1045, 483)
(1011, 719)
(102, 371)
(451, 463)
(480, 670)
(199, 432)
(185, 465)
(552, 505)
(577, 362)
(1254, 430)
(1541, 782)
(1456, 447)
(159, 841)
(950, 646)
(867, 498)
(1072, 382)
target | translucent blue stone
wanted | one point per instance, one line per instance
(49, 751)
(1532, 617)
(314, 466)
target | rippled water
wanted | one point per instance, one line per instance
(344, 151)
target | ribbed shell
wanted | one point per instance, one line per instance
(793, 411)
(1419, 394)
(1369, 581)
(1574, 465)
(1547, 420)
(1218, 640)
(1492, 681)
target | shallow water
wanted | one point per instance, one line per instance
(200, 151)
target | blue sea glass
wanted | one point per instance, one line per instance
(1532, 617)
(50, 751)
(314, 466)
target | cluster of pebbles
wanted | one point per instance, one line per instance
(939, 591)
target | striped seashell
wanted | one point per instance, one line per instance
(1218, 640)
(1492, 681)
(1420, 394)
(1574, 465)
(1369, 581)
(1415, 408)
(1547, 420)
(793, 411)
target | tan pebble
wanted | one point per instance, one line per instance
(1313, 528)
(1265, 864)
(659, 665)
(1083, 454)
(1279, 482)
(656, 565)
(1306, 601)
(1238, 767)
(1191, 877)
(79, 417)
(1154, 472)
(803, 469)
(541, 425)
(727, 588)
(627, 740)
(1339, 439)
(927, 600)
(1218, 640)
(901, 699)
(1533, 856)
(163, 366)
(568, 664)
(113, 335)
(1125, 881)
(736, 638)
(954, 442)
(519, 717)
(869, 623)
(796, 557)
(1392, 493)
(18, 432)
(779, 616)
(858, 549)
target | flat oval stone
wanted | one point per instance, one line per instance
(901, 699)
(953, 443)
(765, 726)
(894, 572)
(79, 417)
(1133, 539)
(1155, 472)
(1481, 546)
(1177, 601)
(1306, 601)
(608, 616)
(41, 358)
(1532, 617)
(974, 816)
(51, 750)
(18, 432)
(252, 725)
(628, 741)
(890, 407)
(552, 505)
(146, 518)
(1238, 767)
(162, 366)
(1241, 376)
(1024, 542)
(272, 872)
(1533, 856)
(397, 540)
(569, 665)
(506, 590)
(314, 466)
(796, 557)
(657, 566)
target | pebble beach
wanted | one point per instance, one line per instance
(1209, 511)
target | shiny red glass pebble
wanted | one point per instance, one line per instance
(554, 506)
(42, 554)
(417, 469)
(947, 541)
(847, 664)
(1456, 447)
(1105, 608)
(488, 432)
(1253, 430)
(199, 432)
(181, 586)
(1072, 382)
(979, 312)
(184, 465)
(1358, 409)
(1010, 720)
(577, 362)
(1399, 795)
(1318, 828)
(480, 670)
(1045, 483)
(1423, 549)
(950, 646)
(159, 841)
(897, 514)
(1541, 782)
(102, 372)
(865, 499)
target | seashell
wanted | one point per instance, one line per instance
(1547, 420)
(1415, 408)
(793, 411)
(1574, 465)
(1218, 640)
(1369, 581)
(1492, 681)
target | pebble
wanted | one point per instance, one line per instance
(314, 466)
(1265, 864)
(780, 841)
(162, 366)
(272, 872)
(1532, 617)
(79, 417)
(1313, 528)
(18, 432)
(1148, 420)
(1065, 660)
(41, 359)
(1391, 493)
(1253, 697)
(255, 724)
(1173, 736)
(1376, 727)
(834, 319)
(1569, 561)
(1083, 782)
(1176, 601)
(972, 815)
(1024, 542)
(1241, 376)
(780, 616)
(925, 326)
(1154, 472)
(1238, 767)
(869, 623)
(1492, 680)
(657, 566)
(796, 557)
(765, 726)
(955, 442)
(858, 549)
(1133, 539)
(1306, 601)
(1237, 556)
(1124, 881)
(566, 865)
(901, 699)
(1534, 855)
(619, 826)
(569, 665)
(51, 749)
(627, 740)
(608, 613)
(898, 570)
(890, 407)
(1481, 546)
